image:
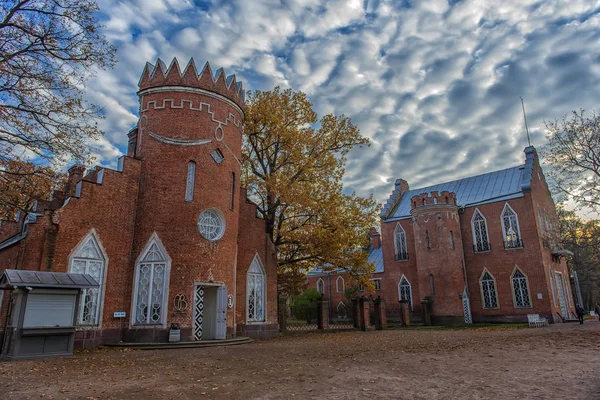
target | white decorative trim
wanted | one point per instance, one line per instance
(487, 234)
(337, 284)
(186, 89)
(153, 239)
(256, 261)
(403, 277)
(512, 288)
(178, 142)
(93, 234)
(221, 136)
(322, 282)
(495, 290)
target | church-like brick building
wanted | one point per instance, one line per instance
(481, 249)
(169, 234)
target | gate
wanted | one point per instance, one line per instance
(466, 307)
(561, 296)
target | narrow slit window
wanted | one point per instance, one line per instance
(431, 284)
(451, 240)
(189, 184)
(232, 195)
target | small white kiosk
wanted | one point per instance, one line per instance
(42, 312)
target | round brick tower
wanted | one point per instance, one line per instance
(189, 138)
(439, 249)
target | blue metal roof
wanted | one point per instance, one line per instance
(375, 256)
(494, 186)
(497, 185)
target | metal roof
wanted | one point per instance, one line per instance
(375, 256)
(494, 186)
(12, 278)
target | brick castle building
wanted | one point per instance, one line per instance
(481, 249)
(169, 234)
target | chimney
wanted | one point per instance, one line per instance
(375, 239)
(75, 175)
(403, 185)
(132, 142)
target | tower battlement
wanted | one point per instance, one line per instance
(158, 74)
(433, 198)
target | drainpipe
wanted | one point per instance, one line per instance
(329, 289)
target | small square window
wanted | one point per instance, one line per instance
(217, 156)
(377, 284)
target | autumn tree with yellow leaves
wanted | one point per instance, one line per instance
(293, 167)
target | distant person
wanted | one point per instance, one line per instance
(597, 309)
(580, 313)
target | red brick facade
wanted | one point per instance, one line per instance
(439, 265)
(184, 117)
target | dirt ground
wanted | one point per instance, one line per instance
(559, 362)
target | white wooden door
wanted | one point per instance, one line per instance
(561, 296)
(221, 331)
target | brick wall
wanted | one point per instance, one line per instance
(253, 240)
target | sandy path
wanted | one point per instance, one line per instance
(559, 362)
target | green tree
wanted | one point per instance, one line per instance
(293, 167)
(304, 306)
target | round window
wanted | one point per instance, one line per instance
(211, 224)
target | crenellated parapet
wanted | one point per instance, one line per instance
(433, 198)
(159, 75)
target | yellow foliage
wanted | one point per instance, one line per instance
(293, 168)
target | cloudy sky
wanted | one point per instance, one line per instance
(434, 84)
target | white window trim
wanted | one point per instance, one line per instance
(322, 283)
(342, 305)
(399, 229)
(264, 292)
(337, 284)
(552, 285)
(153, 239)
(495, 289)
(409, 287)
(376, 279)
(92, 233)
(487, 234)
(512, 289)
(507, 206)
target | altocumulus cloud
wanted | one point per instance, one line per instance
(435, 84)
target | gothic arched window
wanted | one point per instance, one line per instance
(520, 289)
(510, 228)
(89, 259)
(255, 293)
(400, 249)
(340, 285)
(342, 310)
(321, 286)
(488, 290)
(152, 275)
(405, 291)
(480, 232)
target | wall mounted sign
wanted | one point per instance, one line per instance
(230, 301)
(181, 302)
(119, 314)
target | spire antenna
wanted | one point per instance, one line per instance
(525, 118)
